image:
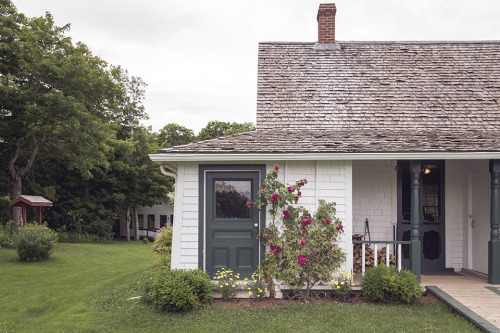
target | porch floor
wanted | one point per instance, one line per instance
(473, 292)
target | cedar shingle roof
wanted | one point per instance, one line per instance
(344, 141)
(372, 97)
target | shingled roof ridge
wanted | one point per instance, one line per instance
(409, 42)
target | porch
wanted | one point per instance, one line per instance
(448, 209)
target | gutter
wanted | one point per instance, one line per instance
(217, 157)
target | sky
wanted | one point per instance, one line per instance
(199, 58)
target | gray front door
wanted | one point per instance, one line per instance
(231, 226)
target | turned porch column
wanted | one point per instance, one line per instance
(415, 170)
(494, 242)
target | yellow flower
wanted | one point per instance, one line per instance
(338, 287)
(336, 282)
(342, 283)
(352, 283)
(216, 282)
(258, 295)
(233, 285)
(226, 284)
(250, 292)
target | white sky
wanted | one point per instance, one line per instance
(199, 58)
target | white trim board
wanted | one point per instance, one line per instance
(162, 158)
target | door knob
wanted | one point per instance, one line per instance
(256, 225)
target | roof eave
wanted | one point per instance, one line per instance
(189, 157)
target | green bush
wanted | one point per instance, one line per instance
(201, 284)
(100, 230)
(386, 284)
(74, 237)
(177, 290)
(162, 247)
(34, 242)
(7, 235)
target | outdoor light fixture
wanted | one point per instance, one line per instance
(426, 170)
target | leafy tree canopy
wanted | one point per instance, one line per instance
(174, 135)
(216, 129)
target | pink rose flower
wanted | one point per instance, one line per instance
(340, 227)
(286, 215)
(302, 259)
(290, 189)
(276, 167)
(303, 244)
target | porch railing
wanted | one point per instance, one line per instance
(375, 252)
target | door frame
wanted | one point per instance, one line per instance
(202, 176)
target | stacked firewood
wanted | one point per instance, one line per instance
(369, 256)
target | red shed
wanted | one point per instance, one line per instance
(32, 201)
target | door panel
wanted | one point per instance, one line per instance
(231, 227)
(480, 223)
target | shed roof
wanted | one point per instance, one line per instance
(31, 200)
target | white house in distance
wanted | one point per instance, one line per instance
(150, 219)
(402, 134)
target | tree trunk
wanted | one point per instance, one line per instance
(16, 175)
(136, 218)
(128, 223)
(16, 212)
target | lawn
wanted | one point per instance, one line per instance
(85, 288)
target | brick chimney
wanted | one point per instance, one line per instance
(326, 23)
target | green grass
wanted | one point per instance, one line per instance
(85, 287)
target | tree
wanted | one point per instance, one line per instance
(216, 129)
(57, 98)
(137, 177)
(174, 135)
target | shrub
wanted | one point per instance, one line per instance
(303, 250)
(177, 290)
(386, 284)
(257, 288)
(227, 283)
(34, 242)
(342, 284)
(7, 235)
(100, 230)
(162, 247)
(74, 237)
(201, 284)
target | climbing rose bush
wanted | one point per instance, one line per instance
(306, 251)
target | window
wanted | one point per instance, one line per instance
(151, 221)
(163, 221)
(231, 197)
(140, 218)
